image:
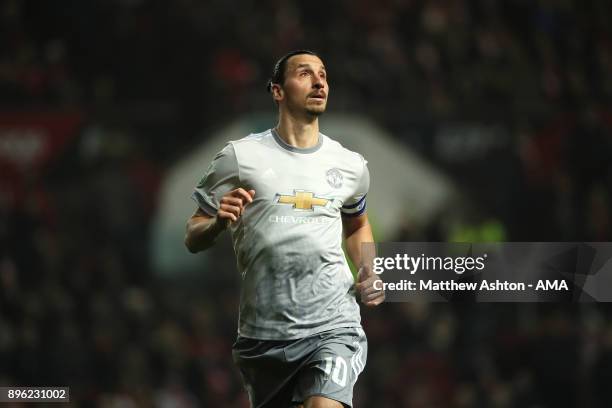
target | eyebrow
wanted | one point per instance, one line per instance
(308, 66)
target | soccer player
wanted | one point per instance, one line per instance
(287, 195)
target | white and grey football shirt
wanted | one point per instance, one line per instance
(295, 278)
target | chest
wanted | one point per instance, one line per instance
(301, 182)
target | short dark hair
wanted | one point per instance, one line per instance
(278, 73)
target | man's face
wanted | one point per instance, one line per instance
(305, 87)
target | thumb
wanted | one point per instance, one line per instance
(252, 193)
(362, 274)
(358, 285)
(366, 270)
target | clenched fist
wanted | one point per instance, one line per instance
(370, 296)
(232, 204)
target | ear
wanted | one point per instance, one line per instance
(277, 92)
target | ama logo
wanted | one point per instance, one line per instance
(551, 285)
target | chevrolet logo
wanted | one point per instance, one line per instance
(302, 200)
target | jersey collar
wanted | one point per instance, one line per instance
(294, 149)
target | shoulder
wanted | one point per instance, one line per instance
(248, 145)
(253, 144)
(341, 152)
(252, 139)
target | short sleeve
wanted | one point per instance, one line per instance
(356, 204)
(221, 177)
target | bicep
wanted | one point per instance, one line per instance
(200, 213)
(352, 224)
(198, 216)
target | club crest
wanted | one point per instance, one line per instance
(334, 178)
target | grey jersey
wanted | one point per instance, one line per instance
(295, 278)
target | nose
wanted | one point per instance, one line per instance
(318, 82)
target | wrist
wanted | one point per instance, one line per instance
(219, 224)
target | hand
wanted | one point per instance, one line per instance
(232, 204)
(365, 286)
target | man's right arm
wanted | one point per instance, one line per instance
(203, 229)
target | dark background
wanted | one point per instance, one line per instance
(98, 99)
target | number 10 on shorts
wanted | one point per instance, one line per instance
(340, 370)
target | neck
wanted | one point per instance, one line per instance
(301, 133)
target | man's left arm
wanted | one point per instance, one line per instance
(357, 230)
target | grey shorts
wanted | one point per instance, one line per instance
(282, 374)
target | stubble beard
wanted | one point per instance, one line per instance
(315, 112)
(311, 112)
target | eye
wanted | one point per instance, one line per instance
(303, 73)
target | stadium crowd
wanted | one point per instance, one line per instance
(79, 303)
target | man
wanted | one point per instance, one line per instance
(287, 195)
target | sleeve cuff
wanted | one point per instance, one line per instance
(203, 203)
(354, 210)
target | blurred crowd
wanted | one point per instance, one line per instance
(79, 303)
(401, 59)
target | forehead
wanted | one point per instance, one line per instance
(299, 60)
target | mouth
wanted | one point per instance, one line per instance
(320, 97)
